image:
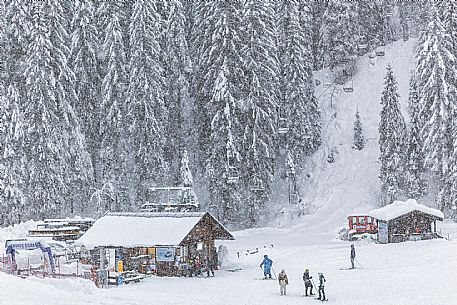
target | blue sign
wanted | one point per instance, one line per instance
(119, 279)
(165, 254)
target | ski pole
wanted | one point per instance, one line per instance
(274, 272)
(359, 263)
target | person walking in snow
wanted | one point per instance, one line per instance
(308, 284)
(209, 266)
(266, 263)
(283, 281)
(352, 255)
(321, 287)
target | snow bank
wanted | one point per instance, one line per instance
(398, 208)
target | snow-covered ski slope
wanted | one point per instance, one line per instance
(351, 183)
(411, 273)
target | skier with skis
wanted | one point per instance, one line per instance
(283, 281)
(352, 255)
(266, 263)
(321, 288)
(308, 284)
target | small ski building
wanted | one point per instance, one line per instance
(406, 220)
(154, 242)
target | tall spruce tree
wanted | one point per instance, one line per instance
(54, 146)
(436, 81)
(145, 99)
(261, 66)
(359, 139)
(176, 61)
(298, 101)
(85, 65)
(391, 140)
(415, 184)
(13, 199)
(217, 93)
(338, 39)
(111, 164)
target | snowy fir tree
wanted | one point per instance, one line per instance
(414, 184)
(359, 139)
(112, 154)
(145, 101)
(53, 145)
(218, 94)
(436, 74)
(338, 39)
(12, 166)
(176, 61)
(298, 104)
(85, 65)
(259, 139)
(391, 141)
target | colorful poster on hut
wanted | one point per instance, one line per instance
(165, 254)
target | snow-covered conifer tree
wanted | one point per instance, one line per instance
(261, 65)
(414, 184)
(13, 207)
(338, 39)
(176, 61)
(217, 93)
(54, 147)
(111, 167)
(359, 139)
(298, 105)
(391, 140)
(145, 98)
(85, 65)
(436, 75)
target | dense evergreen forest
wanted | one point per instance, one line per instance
(100, 100)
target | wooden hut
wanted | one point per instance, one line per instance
(159, 243)
(406, 220)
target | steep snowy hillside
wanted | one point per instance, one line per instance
(350, 184)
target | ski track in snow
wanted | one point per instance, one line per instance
(411, 273)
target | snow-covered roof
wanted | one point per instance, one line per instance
(399, 208)
(140, 229)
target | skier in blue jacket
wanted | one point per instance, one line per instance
(266, 263)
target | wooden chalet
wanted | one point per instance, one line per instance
(161, 243)
(401, 221)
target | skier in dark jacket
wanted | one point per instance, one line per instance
(308, 284)
(321, 287)
(352, 255)
(266, 263)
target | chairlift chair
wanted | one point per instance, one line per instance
(348, 89)
(380, 53)
(282, 126)
(327, 85)
(371, 55)
(256, 185)
(232, 176)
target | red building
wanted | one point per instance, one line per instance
(359, 224)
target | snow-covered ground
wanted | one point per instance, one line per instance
(409, 273)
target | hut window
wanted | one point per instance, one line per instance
(199, 246)
(368, 219)
(354, 220)
(361, 220)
